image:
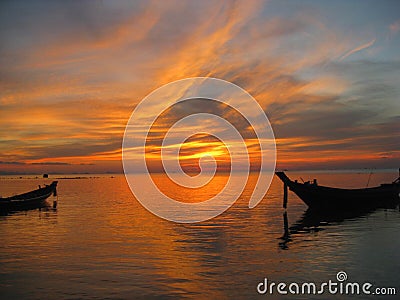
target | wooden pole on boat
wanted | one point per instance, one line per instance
(285, 195)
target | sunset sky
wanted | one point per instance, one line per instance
(326, 73)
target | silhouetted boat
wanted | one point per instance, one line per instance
(322, 197)
(29, 200)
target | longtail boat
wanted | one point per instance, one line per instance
(323, 197)
(29, 200)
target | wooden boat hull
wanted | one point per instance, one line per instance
(30, 200)
(322, 197)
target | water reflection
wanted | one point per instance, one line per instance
(316, 220)
(44, 207)
(102, 244)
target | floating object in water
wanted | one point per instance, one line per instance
(323, 197)
(30, 200)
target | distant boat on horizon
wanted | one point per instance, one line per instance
(30, 200)
(324, 198)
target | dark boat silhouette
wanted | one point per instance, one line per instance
(29, 200)
(327, 198)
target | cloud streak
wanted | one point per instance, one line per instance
(66, 95)
(358, 49)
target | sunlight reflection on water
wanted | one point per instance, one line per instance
(101, 243)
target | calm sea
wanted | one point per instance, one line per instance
(101, 243)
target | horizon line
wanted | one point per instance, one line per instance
(222, 172)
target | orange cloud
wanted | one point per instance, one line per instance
(67, 98)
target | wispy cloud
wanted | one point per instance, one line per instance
(394, 28)
(358, 49)
(70, 79)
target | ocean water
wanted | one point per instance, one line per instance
(100, 243)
